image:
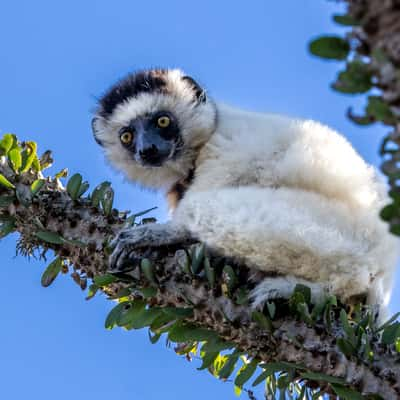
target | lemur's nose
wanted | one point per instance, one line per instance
(149, 152)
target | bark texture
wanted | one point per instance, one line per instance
(289, 340)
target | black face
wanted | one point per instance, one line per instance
(152, 139)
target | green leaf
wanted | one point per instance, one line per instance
(177, 333)
(345, 347)
(148, 271)
(330, 47)
(356, 78)
(216, 346)
(273, 368)
(8, 142)
(51, 272)
(149, 292)
(74, 185)
(200, 334)
(62, 174)
(389, 212)
(98, 193)
(209, 271)
(130, 313)
(346, 20)
(83, 188)
(261, 378)
(104, 280)
(362, 120)
(186, 332)
(122, 293)
(46, 160)
(271, 307)
(197, 258)
(380, 110)
(246, 373)
(229, 365)
(154, 338)
(302, 309)
(140, 317)
(24, 194)
(183, 260)
(139, 214)
(114, 315)
(163, 323)
(50, 237)
(350, 333)
(395, 229)
(178, 312)
(237, 390)
(262, 320)
(346, 393)
(391, 333)
(7, 226)
(242, 296)
(314, 376)
(5, 182)
(305, 291)
(15, 158)
(395, 194)
(207, 359)
(6, 200)
(92, 291)
(36, 186)
(36, 165)
(28, 156)
(229, 277)
(107, 200)
(388, 322)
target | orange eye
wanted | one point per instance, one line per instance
(163, 122)
(126, 137)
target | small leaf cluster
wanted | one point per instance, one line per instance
(361, 75)
(22, 160)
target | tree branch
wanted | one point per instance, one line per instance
(197, 295)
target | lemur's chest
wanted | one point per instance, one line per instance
(178, 190)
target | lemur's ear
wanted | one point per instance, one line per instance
(95, 130)
(199, 92)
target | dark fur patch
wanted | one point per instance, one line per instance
(149, 81)
(199, 92)
(140, 82)
(178, 190)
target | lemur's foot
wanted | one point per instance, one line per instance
(125, 258)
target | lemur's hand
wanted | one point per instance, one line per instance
(124, 257)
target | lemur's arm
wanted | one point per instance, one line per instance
(289, 232)
(149, 235)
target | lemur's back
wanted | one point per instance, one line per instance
(278, 151)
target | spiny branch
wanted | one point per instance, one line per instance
(192, 294)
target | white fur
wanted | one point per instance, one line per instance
(292, 197)
(284, 195)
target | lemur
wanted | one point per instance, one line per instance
(283, 195)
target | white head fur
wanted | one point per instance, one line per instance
(149, 92)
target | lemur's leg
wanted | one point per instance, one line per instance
(292, 232)
(283, 287)
(149, 235)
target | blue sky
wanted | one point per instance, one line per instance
(56, 57)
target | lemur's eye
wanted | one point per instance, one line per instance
(163, 122)
(126, 137)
